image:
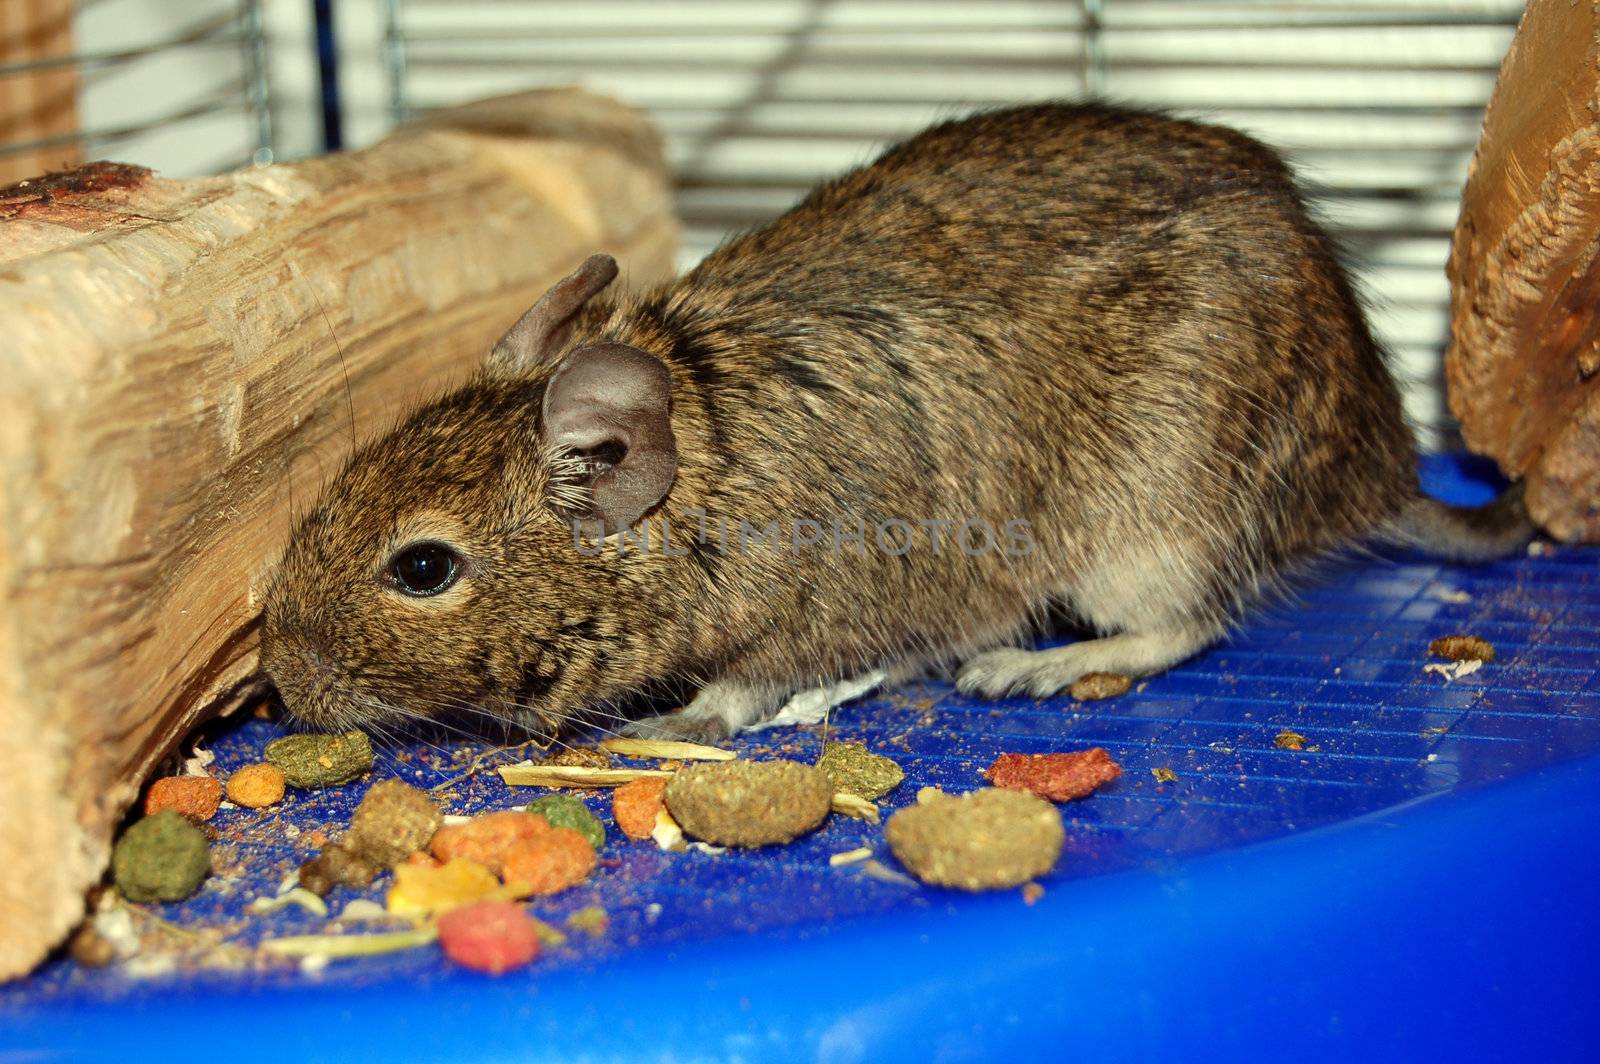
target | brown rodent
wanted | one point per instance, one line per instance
(1113, 340)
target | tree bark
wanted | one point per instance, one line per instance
(1524, 358)
(184, 362)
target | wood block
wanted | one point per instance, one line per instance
(184, 362)
(1523, 364)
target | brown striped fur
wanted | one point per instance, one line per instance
(1119, 327)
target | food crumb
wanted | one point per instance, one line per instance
(1454, 670)
(300, 896)
(1098, 685)
(875, 869)
(591, 920)
(850, 857)
(92, 949)
(1462, 648)
(360, 910)
(1031, 893)
(1164, 775)
(1289, 740)
(667, 834)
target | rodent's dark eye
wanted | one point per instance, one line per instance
(424, 568)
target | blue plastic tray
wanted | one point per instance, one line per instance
(1421, 882)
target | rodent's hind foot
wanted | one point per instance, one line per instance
(1041, 673)
(716, 713)
(677, 726)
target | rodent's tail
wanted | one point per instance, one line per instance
(1463, 533)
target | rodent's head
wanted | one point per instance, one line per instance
(446, 568)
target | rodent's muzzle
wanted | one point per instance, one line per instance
(314, 689)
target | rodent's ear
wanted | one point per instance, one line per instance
(610, 404)
(541, 333)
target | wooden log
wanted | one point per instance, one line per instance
(182, 362)
(38, 103)
(1523, 364)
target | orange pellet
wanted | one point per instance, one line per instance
(550, 863)
(256, 786)
(487, 839)
(635, 805)
(196, 797)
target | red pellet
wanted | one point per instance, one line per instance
(489, 936)
(1058, 777)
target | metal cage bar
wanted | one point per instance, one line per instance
(248, 92)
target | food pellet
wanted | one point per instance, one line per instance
(161, 858)
(393, 821)
(565, 811)
(310, 761)
(336, 865)
(487, 839)
(634, 806)
(749, 803)
(424, 889)
(1098, 685)
(91, 949)
(985, 840)
(1056, 777)
(196, 797)
(1462, 648)
(856, 770)
(551, 862)
(489, 936)
(256, 786)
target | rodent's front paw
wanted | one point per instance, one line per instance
(997, 673)
(678, 726)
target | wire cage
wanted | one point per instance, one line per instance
(174, 86)
(1355, 848)
(1377, 104)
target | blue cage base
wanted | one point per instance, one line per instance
(1416, 880)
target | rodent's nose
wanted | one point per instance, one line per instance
(308, 681)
